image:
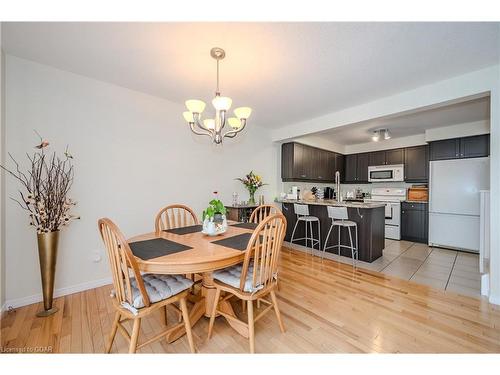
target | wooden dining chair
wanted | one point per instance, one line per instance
(263, 211)
(175, 216)
(136, 296)
(255, 278)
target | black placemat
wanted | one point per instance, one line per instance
(238, 242)
(155, 248)
(245, 225)
(185, 230)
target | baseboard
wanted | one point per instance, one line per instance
(19, 302)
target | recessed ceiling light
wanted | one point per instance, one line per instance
(376, 136)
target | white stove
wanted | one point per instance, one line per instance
(392, 197)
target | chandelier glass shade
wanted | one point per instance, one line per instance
(215, 127)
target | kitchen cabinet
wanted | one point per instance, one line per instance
(356, 168)
(305, 163)
(457, 148)
(474, 147)
(416, 163)
(362, 167)
(350, 168)
(415, 222)
(387, 157)
(395, 156)
(377, 158)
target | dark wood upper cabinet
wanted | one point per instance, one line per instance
(305, 163)
(362, 163)
(351, 162)
(474, 147)
(377, 158)
(416, 163)
(396, 156)
(445, 149)
(339, 165)
(456, 148)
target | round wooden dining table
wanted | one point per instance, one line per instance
(202, 258)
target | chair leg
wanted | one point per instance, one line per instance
(312, 236)
(214, 310)
(339, 241)
(258, 303)
(357, 248)
(165, 313)
(293, 232)
(135, 335)
(251, 327)
(112, 335)
(243, 305)
(352, 246)
(187, 323)
(277, 311)
(326, 240)
(319, 236)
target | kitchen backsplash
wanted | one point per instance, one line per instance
(344, 188)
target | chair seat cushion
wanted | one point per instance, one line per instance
(231, 276)
(158, 287)
(308, 218)
(345, 223)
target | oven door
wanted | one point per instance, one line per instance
(392, 213)
(380, 175)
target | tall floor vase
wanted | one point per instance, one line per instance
(47, 253)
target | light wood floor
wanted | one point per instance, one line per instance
(326, 307)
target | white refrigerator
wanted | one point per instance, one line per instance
(454, 202)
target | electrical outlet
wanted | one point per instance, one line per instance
(96, 256)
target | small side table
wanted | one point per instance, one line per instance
(240, 213)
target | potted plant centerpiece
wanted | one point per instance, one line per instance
(214, 218)
(44, 196)
(252, 182)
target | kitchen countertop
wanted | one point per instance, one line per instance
(331, 202)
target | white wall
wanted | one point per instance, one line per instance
(457, 131)
(133, 155)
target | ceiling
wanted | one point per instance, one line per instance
(405, 125)
(287, 72)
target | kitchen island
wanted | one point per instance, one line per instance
(370, 218)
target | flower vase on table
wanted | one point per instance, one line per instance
(252, 182)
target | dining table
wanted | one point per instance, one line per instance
(201, 256)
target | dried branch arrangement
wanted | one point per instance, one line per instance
(45, 189)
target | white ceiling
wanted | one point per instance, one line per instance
(405, 125)
(287, 72)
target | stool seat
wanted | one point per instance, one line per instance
(344, 223)
(308, 218)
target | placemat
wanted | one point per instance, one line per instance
(245, 225)
(156, 247)
(238, 242)
(185, 230)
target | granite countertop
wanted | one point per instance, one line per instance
(331, 202)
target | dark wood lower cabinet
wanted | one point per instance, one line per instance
(415, 222)
(371, 226)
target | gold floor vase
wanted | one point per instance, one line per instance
(47, 252)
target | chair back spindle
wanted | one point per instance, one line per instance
(264, 249)
(263, 211)
(175, 216)
(122, 262)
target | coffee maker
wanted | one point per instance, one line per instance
(329, 193)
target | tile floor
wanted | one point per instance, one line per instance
(439, 268)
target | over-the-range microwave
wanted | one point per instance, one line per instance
(386, 173)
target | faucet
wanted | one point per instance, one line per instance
(337, 186)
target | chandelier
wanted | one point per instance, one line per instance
(213, 127)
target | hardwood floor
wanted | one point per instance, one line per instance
(326, 307)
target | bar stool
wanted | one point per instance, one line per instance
(302, 212)
(340, 218)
